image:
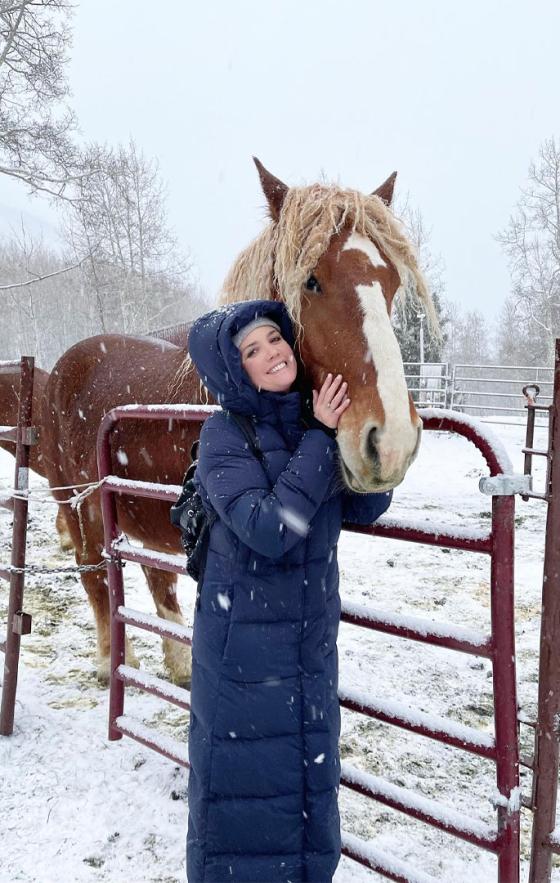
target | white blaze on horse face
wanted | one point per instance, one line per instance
(397, 439)
(362, 243)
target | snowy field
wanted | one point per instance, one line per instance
(75, 807)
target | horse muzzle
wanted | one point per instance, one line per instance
(380, 461)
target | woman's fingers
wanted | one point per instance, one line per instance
(342, 407)
(330, 387)
(324, 388)
(339, 396)
(331, 401)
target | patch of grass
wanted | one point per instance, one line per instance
(94, 861)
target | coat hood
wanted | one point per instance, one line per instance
(218, 361)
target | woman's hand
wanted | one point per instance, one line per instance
(330, 403)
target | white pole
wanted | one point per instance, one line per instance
(421, 317)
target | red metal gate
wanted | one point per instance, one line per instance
(18, 623)
(498, 646)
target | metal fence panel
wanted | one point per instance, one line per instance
(486, 390)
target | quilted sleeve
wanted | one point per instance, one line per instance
(269, 521)
(364, 508)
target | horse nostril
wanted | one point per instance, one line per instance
(371, 443)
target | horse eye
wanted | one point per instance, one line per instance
(312, 284)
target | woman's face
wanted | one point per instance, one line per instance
(268, 359)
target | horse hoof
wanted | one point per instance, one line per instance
(178, 662)
(103, 672)
(130, 657)
(183, 681)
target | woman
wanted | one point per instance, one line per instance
(265, 720)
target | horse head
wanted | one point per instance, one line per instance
(338, 259)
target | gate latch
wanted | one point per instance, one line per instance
(505, 485)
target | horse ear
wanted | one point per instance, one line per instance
(274, 189)
(385, 192)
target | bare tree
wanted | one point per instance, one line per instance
(35, 123)
(532, 243)
(136, 272)
(468, 337)
(36, 319)
(407, 313)
(518, 341)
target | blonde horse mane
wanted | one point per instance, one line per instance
(285, 254)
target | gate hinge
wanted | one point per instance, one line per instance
(30, 435)
(21, 624)
(505, 485)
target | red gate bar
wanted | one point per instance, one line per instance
(444, 730)
(139, 555)
(146, 736)
(18, 622)
(414, 627)
(545, 839)
(131, 677)
(6, 367)
(419, 807)
(498, 647)
(369, 855)
(155, 624)
(469, 541)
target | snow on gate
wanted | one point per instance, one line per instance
(498, 647)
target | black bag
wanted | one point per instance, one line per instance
(190, 516)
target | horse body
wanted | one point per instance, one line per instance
(337, 259)
(9, 406)
(92, 377)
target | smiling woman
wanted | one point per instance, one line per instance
(263, 744)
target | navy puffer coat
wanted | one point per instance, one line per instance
(265, 720)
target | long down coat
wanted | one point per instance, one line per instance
(265, 720)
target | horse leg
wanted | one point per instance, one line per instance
(163, 588)
(95, 584)
(64, 537)
(86, 533)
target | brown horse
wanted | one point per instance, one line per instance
(9, 405)
(337, 258)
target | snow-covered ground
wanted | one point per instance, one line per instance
(75, 807)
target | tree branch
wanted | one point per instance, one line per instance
(46, 276)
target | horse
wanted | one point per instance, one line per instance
(9, 406)
(337, 258)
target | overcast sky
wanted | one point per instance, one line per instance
(456, 97)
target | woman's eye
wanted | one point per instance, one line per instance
(312, 284)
